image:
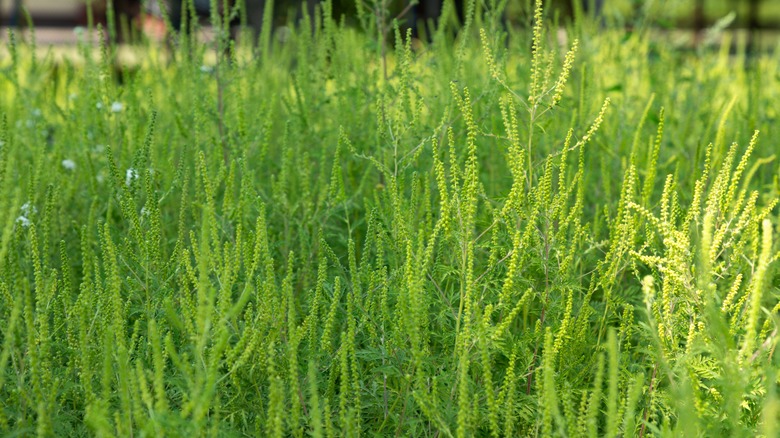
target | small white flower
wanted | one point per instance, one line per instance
(28, 209)
(23, 221)
(130, 176)
(99, 105)
(69, 164)
(144, 211)
(206, 68)
(116, 107)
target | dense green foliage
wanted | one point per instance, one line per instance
(337, 237)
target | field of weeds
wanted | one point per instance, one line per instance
(503, 232)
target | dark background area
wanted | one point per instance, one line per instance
(669, 14)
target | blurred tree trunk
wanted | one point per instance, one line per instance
(753, 25)
(254, 17)
(753, 14)
(698, 21)
(15, 17)
(593, 6)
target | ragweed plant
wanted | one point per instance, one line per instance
(532, 234)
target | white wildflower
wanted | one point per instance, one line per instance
(69, 164)
(206, 69)
(28, 209)
(116, 107)
(99, 105)
(130, 176)
(23, 221)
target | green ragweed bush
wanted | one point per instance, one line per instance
(542, 232)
